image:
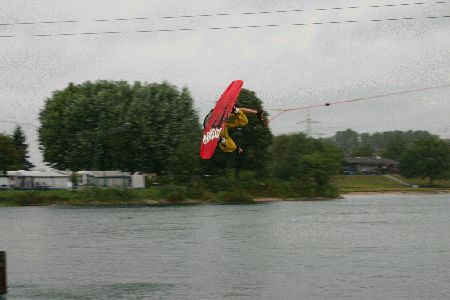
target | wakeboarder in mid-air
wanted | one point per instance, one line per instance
(238, 118)
(225, 115)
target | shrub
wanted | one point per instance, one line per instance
(109, 194)
(217, 184)
(172, 193)
(26, 198)
(234, 197)
(175, 196)
(196, 191)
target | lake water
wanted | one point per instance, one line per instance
(371, 246)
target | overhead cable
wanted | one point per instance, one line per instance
(225, 27)
(203, 15)
(284, 110)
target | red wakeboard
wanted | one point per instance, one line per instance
(218, 119)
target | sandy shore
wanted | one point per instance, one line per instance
(443, 191)
(421, 191)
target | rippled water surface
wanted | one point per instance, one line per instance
(376, 246)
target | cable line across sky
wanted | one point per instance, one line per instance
(285, 110)
(203, 15)
(230, 27)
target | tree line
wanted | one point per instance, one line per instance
(420, 153)
(388, 144)
(114, 125)
(154, 128)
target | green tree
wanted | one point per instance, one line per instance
(297, 157)
(395, 148)
(80, 125)
(320, 165)
(364, 150)
(109, 125)
(428, 157)
(346, 140)
(390, 144)
(22, 146)
(185, 162)
(255, 138)
(365, 138)
(10, 158)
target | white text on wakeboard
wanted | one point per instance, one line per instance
(212, 134)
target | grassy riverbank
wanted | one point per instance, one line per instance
(218, 190)
(213, 190)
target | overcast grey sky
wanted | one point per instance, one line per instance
(287, 66)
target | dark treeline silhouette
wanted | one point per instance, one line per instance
(389, 144)
(420, 153)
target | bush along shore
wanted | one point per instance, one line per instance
(214, 191)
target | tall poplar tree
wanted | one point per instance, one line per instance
(22, 146)
(9, 155)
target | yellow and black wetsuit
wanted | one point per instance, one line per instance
(236, 120)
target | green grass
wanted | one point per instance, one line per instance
(209, 190)
(80, 197)
(216, 190)
(366, 183)
(167, 194)
(437, 183)
(379, 183)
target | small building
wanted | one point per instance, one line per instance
(370, 165)
(4, 183)
(137, 181)
(38, 179)
(104, 179)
